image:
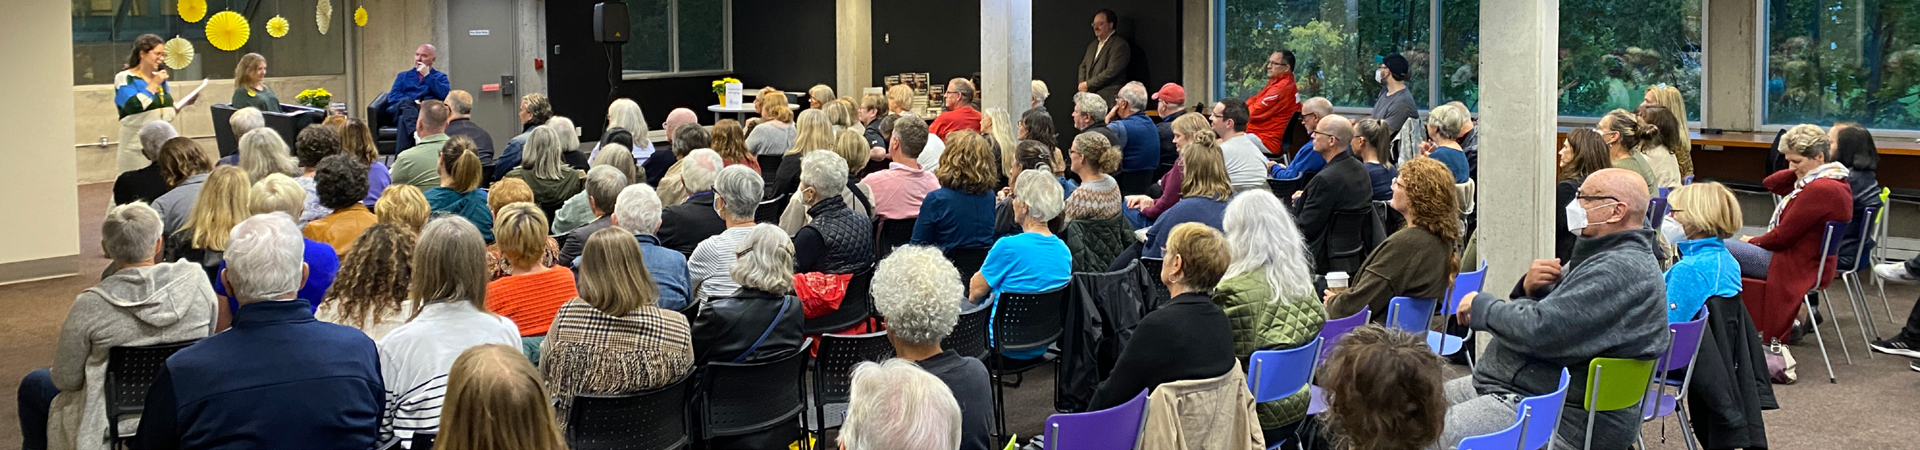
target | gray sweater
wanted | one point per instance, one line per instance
(770, 139)
(1609, 303)
(158, 304)
(1395, 108)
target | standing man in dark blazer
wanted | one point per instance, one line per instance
(1104, 68)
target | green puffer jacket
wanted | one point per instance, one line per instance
(1096, 242)
(1262, 323)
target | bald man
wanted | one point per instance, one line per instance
(462, 125)
(1608, 301)
(412, 86)
(1342, 186)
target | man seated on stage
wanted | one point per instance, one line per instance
(410, 87)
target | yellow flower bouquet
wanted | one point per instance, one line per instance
(316, 97)
(720, 88)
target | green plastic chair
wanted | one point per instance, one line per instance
(1615, 384)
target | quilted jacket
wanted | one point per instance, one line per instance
(1262, 323)
(1096, 242)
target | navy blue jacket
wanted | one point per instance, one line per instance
(1141, 150)
(277, 379)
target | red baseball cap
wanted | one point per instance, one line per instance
(1171, 93)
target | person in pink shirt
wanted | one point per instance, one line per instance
(897, 191)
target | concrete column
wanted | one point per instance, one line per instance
(1006, 55)
(1197, 62)
(853, 46)
(1518, 108)
(42, 240)
(1732, 64)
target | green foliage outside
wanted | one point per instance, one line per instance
(1844, 60)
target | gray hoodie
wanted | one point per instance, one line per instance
(1610, 302)
(158, 304)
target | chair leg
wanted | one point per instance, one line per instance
(1824, 359)
(1686, 428)
(1833, 315)
(1857, 290)
(1882, 285)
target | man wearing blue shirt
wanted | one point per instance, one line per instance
(410, 87)
(1140, 153)
(1306, 160)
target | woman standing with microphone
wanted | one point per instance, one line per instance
(142, 96)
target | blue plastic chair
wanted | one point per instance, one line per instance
(1335, 329)
(1657, 209)
(1464, 283)
(1277, 374)
(1680, 354)
(1116, 428)
(1508, 439)
(1409, 314)
(1686, 180)
(1543, 414)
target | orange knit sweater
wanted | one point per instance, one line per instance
(531, 300)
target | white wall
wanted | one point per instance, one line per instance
(40, 236)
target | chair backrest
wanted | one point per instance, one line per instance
(130, 372)
(746, 398)
(1347, 233)
(1614, 383)
(1409, 314)
(855, 307)
(1656, 209)
(1835, 232)
(1686, 180)
(768, 211)
(1277, 374)
(1294, 135)
(1862, 228)
(1463, 284)
(967, 261)
(648, 420)
(1508, 439)
(424, 441)
(833, 366)
(1112, 428)
(1664, 191)
(1150, 268)
(769, 165)
(890, 233)
(1686, 342)
(1335, 329)
(1029, 321)
(1542, 413)
(969, 336)
(1285, 188)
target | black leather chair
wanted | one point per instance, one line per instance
(288, 124)
(1026, 321)
(738, 399)
(833, 373)
(855, 308)
(969, 336)
(891, 233)
(130, 373)
(650, 420)
(385, 126)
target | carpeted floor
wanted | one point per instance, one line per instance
(1863, 411)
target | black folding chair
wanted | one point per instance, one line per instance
(969, 336)
(738, 399)
(768, 211)
(1024, 322)
(855, 308)
(130, 372)
(649, 420)
(769, 165)
(891, 233)
(1347, 245)
(833, 373)
(1157, 290)
(967, 261)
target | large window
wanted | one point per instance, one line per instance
(1843, 60)
(1612, 50)
(1334, 44)
(104, 30)
(673, 37)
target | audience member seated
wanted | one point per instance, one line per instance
(1245, 156)
(185, 166)
(1384, 391)
(839, 240)
(638, 211)
(959, 114)
(1608, 303)
(1444, 125)
(818, 96)
(1169, 102)
(852, 150)
(1708, 213)
(1371, 141)
(544, 170)
(1098, 196)
(896, 404)
(1853, 147)
(1814, 192)
(1308, 158)
(1416, 261)
(604, 183)
(341, 181)
(729, 140)
(459, 191)
(263, 152)
(224, 202)
(496, 400)
(1626, 138)
(370, 291)
(711, 263)
(684, 225)
(684, 135)
(775, 135)
(503, 193)
(872, 114)
(1031, 156)
(1089, 116)
(147, 183)
(1036, 125)
(898, 191)
(960, 213)
(570, 153)
(814, 133)
(1469, 141)
(578, 209)
(143, 303)
(461, 125)
(357, 140)
(1149, 209)
(614, 339)
(532, 292)
(279, 194)
(415, 166)
(449, 279)
(914, 289)
(1583, 153)
(403, 205)
(313, 145)
(1342, 186)
(210, 394)
(243, 121)
(535, 111)
(1658, 149)
(1189, 338)
(1139, 139)
(687, 138)
(761, 320)
(625, 115)
(1203, 185)
(1032, 261)
(1268, 112)
(1267, 292)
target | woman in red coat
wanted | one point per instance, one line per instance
(1815, 192)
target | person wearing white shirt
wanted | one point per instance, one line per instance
(1246, 160)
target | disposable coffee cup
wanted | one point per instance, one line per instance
(1337, 282)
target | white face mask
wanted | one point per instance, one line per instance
(1577, 216)
(1672, 230)
(1378, 77)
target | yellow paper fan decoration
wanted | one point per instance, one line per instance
(179, 53)
(192, 10)
(277, 27)
(228, 30)
(360, 16)
(323, 15)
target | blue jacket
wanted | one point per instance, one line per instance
(1705, 270)
(669, 270)
(951, 219)
(277, 379)
(1142, 148)
(1305, 160)
(409, 86)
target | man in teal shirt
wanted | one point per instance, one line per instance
(420, 165)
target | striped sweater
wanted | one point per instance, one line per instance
(532, 299)
(415, 358)
(591, 352)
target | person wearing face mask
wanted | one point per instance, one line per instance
(1583, 153)
(1395, 104)
(1815, 192)
(1608, 301)
(1706, 213)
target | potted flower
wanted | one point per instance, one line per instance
(720, 88)
(317, 98)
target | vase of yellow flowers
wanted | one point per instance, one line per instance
(316, 98)
(725, 86)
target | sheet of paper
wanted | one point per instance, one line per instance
(195, 95)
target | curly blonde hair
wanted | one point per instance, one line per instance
(1431, 202)
(967, 164)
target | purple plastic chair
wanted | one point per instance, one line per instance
(1116, 428)
(1508, 439)
(1542, 415)
(1681, 354)
(1410, 314)
(1335, 329)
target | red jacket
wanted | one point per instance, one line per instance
(963, 118)
(1795, 242)
(1269, 110)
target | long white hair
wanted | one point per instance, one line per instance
(1262, 236)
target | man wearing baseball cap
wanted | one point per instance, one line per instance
(1270, 109)
(1172, 99)
(1395, 105)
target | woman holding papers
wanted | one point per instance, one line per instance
(142, 96)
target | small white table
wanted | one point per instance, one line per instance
(739, 111)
